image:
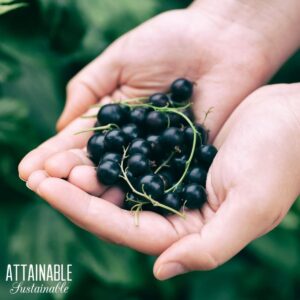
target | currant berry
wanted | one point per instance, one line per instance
(138, 115)
(172, 200)
(156, 147)
(207, 153)
(152, 185)
(108, 172)
(95, 147)
(178, 162)
(115, 140)
(167, 178)
(156, 121)
(181, 90)
(194, 196)
(131, 131)
(138, 164)
(112, 113)
(139, 146)
(189, 134)
(172, 137)
(159, 100)
(116, 157)
(196, 175)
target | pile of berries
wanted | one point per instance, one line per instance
(152, 148)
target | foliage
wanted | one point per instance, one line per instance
(43, 43)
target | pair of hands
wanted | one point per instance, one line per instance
(255, 176)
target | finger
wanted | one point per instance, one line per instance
(84, 177)
(235, 224)
(60, 164)
(35, 179)
(65, 140)
(106, 220)
(96, 80)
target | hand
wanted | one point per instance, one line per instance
(252, 183)
(225, 58)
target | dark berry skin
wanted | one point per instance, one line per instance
(175, 119)
(112, 156)
(96, 147)
(156, 122)
(155, 145)
(115, 140)
(152, 185)
(167, 178)
(189, 134)
(206, 154)
(139, 146)
(108, 172)
(112, 113)
(138, 164)
(172, 137)
(178, 162)
(172, 200)
(196, 175)
(138, 115)
(131, 131)
(181, 90)
(159, 100)
(194, 195)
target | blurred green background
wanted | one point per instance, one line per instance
(42, 45)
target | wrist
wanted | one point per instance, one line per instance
(271, 26)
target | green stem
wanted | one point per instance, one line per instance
(188, 162)
(164, 164)
(108, 126)
(123, 101)
(154, 202)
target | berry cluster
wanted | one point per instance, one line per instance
(152, 148)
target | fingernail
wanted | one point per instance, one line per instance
(22, 178)
(170, 270)
(28, 186)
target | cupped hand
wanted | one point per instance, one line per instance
(251, 184)
(226, 60)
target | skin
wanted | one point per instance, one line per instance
(147, 60)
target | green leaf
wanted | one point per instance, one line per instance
(7, 6)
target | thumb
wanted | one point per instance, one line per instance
(98, 79)
(234, 225)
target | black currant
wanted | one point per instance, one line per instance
(206, 154)
(175, 120)
(138, 115)
(181, 90)
(138, 164)
(159, 100)
(189, 134)
(194, 196)
(196, 175)
(172, 200)
(172, 137)
(156, 147)
(139, 146)
(152, 185)
(167, 178)
(156, 121)
(178, 162)
(112, 156)
(108, 172)
(112, 113)
(115, 140)
(95, 147)
(131, 131)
